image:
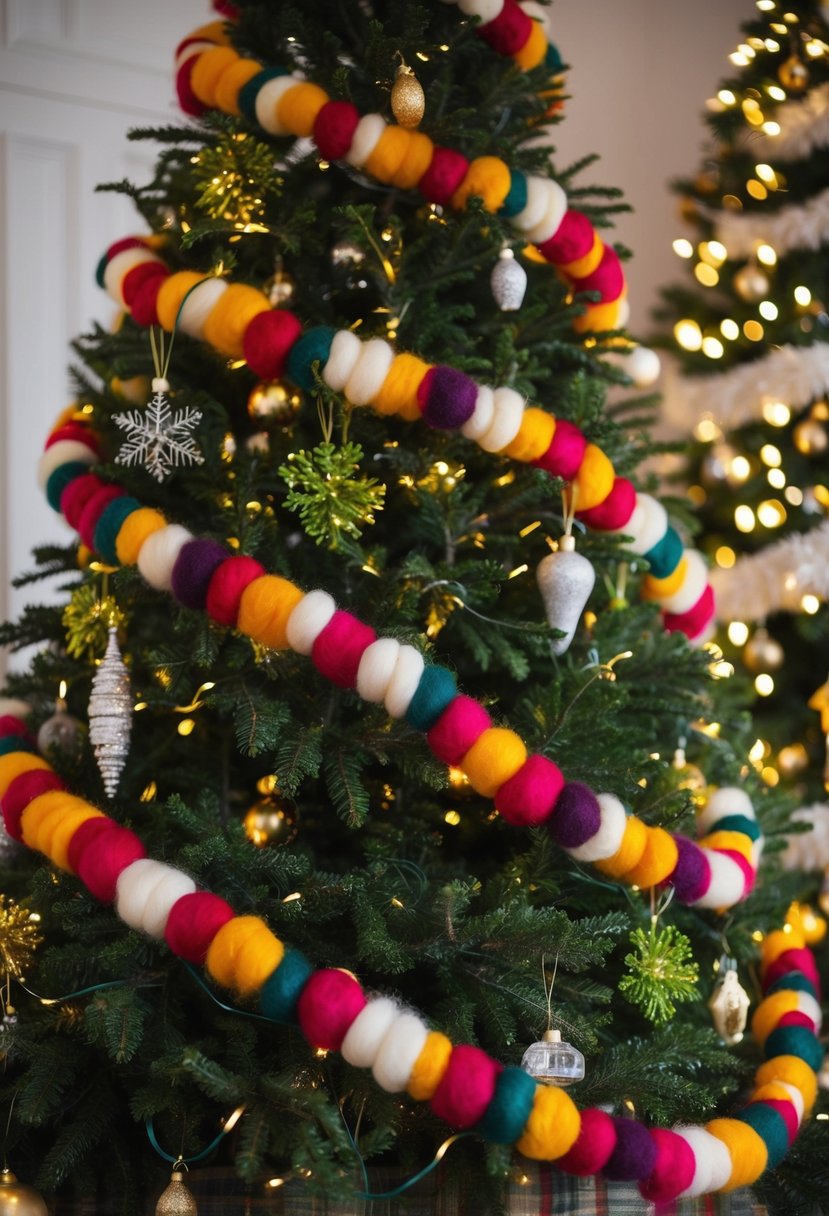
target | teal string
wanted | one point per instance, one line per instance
(212, 1146)
(57, 1000)
(242, 1013)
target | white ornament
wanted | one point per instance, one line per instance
(110, 715)
(565, 579)
(159, 438)
(508, 282)
(729, 1006)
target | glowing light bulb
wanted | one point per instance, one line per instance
(764, 684)
(739, 468)
(810, 604)
(771, 127)
(776, 413)
(766, 255)
(793, 495)
(727, 97)
(774, 91)
(754, 331)
(770, 455)
(712, 347)
(744, 519)
(729, 329)
(725, 557)
(768, 310)
(706, 274)
(707, 430)
(765, 173)
(683, 248)
(688, 334)
(802, 296)
(771, 513)
(738, 633)
(776, 478)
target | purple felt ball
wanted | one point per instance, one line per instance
(634, 1155)
(195, 566)
(692, 875)
(451, 399)
(577, 816)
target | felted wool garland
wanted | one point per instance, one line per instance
(515, 30)
(776, 578)
(210, 74)
(527, 790)
(464, 1086)
(239, 322)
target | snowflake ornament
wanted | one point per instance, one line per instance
(159, 438)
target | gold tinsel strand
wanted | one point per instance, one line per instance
(20, 936)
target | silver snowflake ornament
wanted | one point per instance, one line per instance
(159, 437)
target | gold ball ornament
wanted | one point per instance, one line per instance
(17, 1199)
(271, 401)
(408, 101)
(793, 74)
(763, 652)
(751, 284)
(810, 437)
(270, 822)
(176, 1199)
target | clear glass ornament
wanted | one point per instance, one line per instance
(552, 1061)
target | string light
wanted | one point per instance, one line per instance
(738, 633)
(776, 413)
(802, 296)
(810, 604)
(793, 495)
(771, 127)
(683, 248)
(774, 91)
(729, 329)
(740, 468)
(754, 331)
(765, 173)
(776, 478)
(771, 513)
(744, 518)
(764, 684)
(707, 430)
(688, 334)
(712, 347)
(725, 557)
(766, 254)
(706, 274)
(768, 310)
(770, 455)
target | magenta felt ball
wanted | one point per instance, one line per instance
(572, 240)
(445, 173)
(187, 99)
(457, 728)
(799, 959)
(76, 495)
(20, 793)
(466, 1088)
(224, 591)
(509, 31)
(528, 797)
(327, 1006)
(596, 1141)
(607, 279)
(566, 451)
(334, 128)
(338, 649)
(93, 510)
(616, 509)
(194, 921)
(106, 854)
(674, 1169)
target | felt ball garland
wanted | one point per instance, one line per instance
(511, 31)
(239, 322)
(464, 1086)
(527, 790)
(210, 74)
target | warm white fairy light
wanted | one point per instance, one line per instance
(727, 97)
(776, 413)
(802, 296)
(683, 248)
(740, 468)
(810, 604)
(688, 334)
(744, 519)
(766, 254)
(712, 347)
(738, 633)
(764, 684)
(768, 310)
(775, 92)
(776, 478)
(729, 329)
(793, 495)
(771, 513)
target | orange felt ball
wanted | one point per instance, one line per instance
(429, 1067)
(264, 608)
(232, 80)
(389, 154)
(298, 108)
(487, 178)
(171, 296)
(629, 852)
(230, 316)
(494, 757)
(134, 531)
(398, 392)
(534, 437)
(207, 70)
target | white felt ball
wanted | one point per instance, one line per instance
(398, 1052)
(713, 1160)
(198, 305)
(554, 212)
(727, 882)
(508, 411)
(366, 1033)
(693, 584)
(486, 10)
(643, 365)
(267, 103)
(407, 672)
(372, 367)
(61, 453)
(308, 619)
(159, 553)
(146, 891)
(15, 707)
(481, 418)
(608, 839)
(365, 139)
(376, 669)
(535, 208)
(807, 1004)
(796, 1097)
(167, 892)
(646, 526)
(191, 50)
(727, 800)
(342, 359)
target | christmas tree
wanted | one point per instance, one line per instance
(751, 336)
(364, 779)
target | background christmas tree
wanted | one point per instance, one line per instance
(369, 856)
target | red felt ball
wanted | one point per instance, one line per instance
(334, 128)
(194, 921)
(82, 838)
(674, 1169)
(127, 242)
(187, 99)
(608, 279)
(695, 619)
(529, 796)
(466, 1088)
(445, 173)
(328, 1004)
(573, 239)
(509, 31)
(12, 725)
(796, 1018)
(103, 856)
(566, 451)
(20, 793)
(75, 431)
(145, 300)
(615, 511)
(798, 959)
(92, 511)
(594, 1146)
(267, 342)
(339, 647)
(76, 495)
(226, 586)
(457, 728)
(134, 279)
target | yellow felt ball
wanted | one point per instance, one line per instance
(206, 72)
(487, 178)
(232, 80)
(769, 1012)
(171, 296)
(398, 392)
(264, 608)
(661, 588)
(389, 153)
(773, 1091)
(748, 1152)
(430, 1066)
(737, 842)
(37, 814)
(598, 317)
(418, 157)
(534, 437)
(63, 833)
(134, 531)
(793, 1071)
(553, 1126)
(534, 49)
(585, 265)
(594, 480)
(298, 107)
(629, 852)
(243, 954)
(230, 316)
(658, 859)
(779, 941)
(494, 757)
(15, 763)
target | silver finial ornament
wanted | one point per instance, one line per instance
(508, 282)
(110, 715)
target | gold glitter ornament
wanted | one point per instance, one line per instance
(272, 401)
(176, 1199)
(270, 822)
(408, 101)
(17, 1199)
(87, 619)
(793, 74)
(763, 652)
(729, 1005)
(751, 283)
(20, 936)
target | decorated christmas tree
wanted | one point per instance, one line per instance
(377, 818)
(751, 336)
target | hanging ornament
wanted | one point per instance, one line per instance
(271, 822)
(691, 775)
(662, 972)
(644, 366)
(751, 283)
(763, 652)
(158, 438)
(61, 735)
(810, 437)
(347, 253)
(280, 288)
(793, 74)
(86, 619)
(17, 1199)
(565, 579)
(20, 937)
(176, 1199)
(110, 715)
(552, 1061)
(729, 1004)
(272, 401)
(508, 282)
(408, 101)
